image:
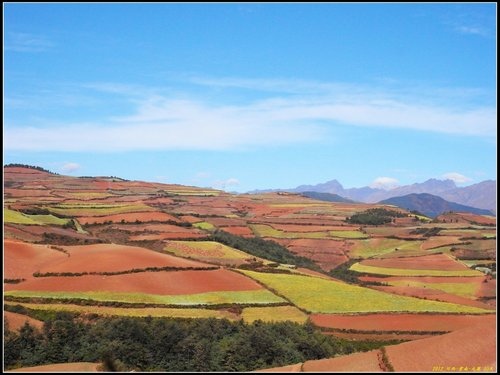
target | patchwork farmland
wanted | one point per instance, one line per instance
(105, 248)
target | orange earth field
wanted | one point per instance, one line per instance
(163, 282)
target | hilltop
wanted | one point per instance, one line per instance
(151, 270)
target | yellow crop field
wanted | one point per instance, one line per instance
(204, 250)
(263, 230)
(262, 296)
(155, 312)
(347, 234)
(378, 246)
(95, 209)
(327, 296)
(411, 272)
(273, 314)
(16, 217)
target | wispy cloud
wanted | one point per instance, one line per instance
(225, 184)
(26, 42)
(472, 30)
(70, 167)
(311, 113)
(386, 183)
(456, 177)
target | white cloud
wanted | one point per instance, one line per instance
(471, 30)
(223, 184)
(70, 167)
(25, 42)
(161, 122)
(456, 177)
(386, 183)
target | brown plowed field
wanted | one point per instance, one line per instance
(21, 259)
(112, 258)
(469, 347)
(16, 321)
(168, 283)
(487, 289)
(129, 218)
(428, 262)
(401, 322)
(357, 362)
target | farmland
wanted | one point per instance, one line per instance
(105, 248)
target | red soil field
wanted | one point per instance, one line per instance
(431, 294)
(167, 283)
(26, 193)
(290, 368)
(129, 218)
(487, 289)
(401, 322)
(224, 221)
(309, 228)
(14, 231)
(469, 347)
(21, 259)
(61, 367)
(357, 362)
(427, 262)
(377, 337)
(39, 230)
(460, 217)
(16, 321)
(112, 258)
(239, 231)
(166, 236)
(438, 241)
(425, 279)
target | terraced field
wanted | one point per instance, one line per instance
(327, 296)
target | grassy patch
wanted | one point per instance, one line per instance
(347, 234)
(328, 296)
(204, 225)
(467, 290)
(407, 272)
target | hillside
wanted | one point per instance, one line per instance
(431, 205)
(139, 275)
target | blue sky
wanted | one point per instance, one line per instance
(250, 96)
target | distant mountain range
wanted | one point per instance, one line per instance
(431, 205)
(481, 195)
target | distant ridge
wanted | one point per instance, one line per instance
(327, 197)
(481, 195)
(431, 205)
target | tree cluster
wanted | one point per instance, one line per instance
(161, 344)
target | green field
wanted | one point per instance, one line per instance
(263, 230)
(410, 272)
(132, 312)
(347, 234)
(16, 217)
(328, 296)
(261, 297)
(273, 314)
(204, 225)
(380, 246)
